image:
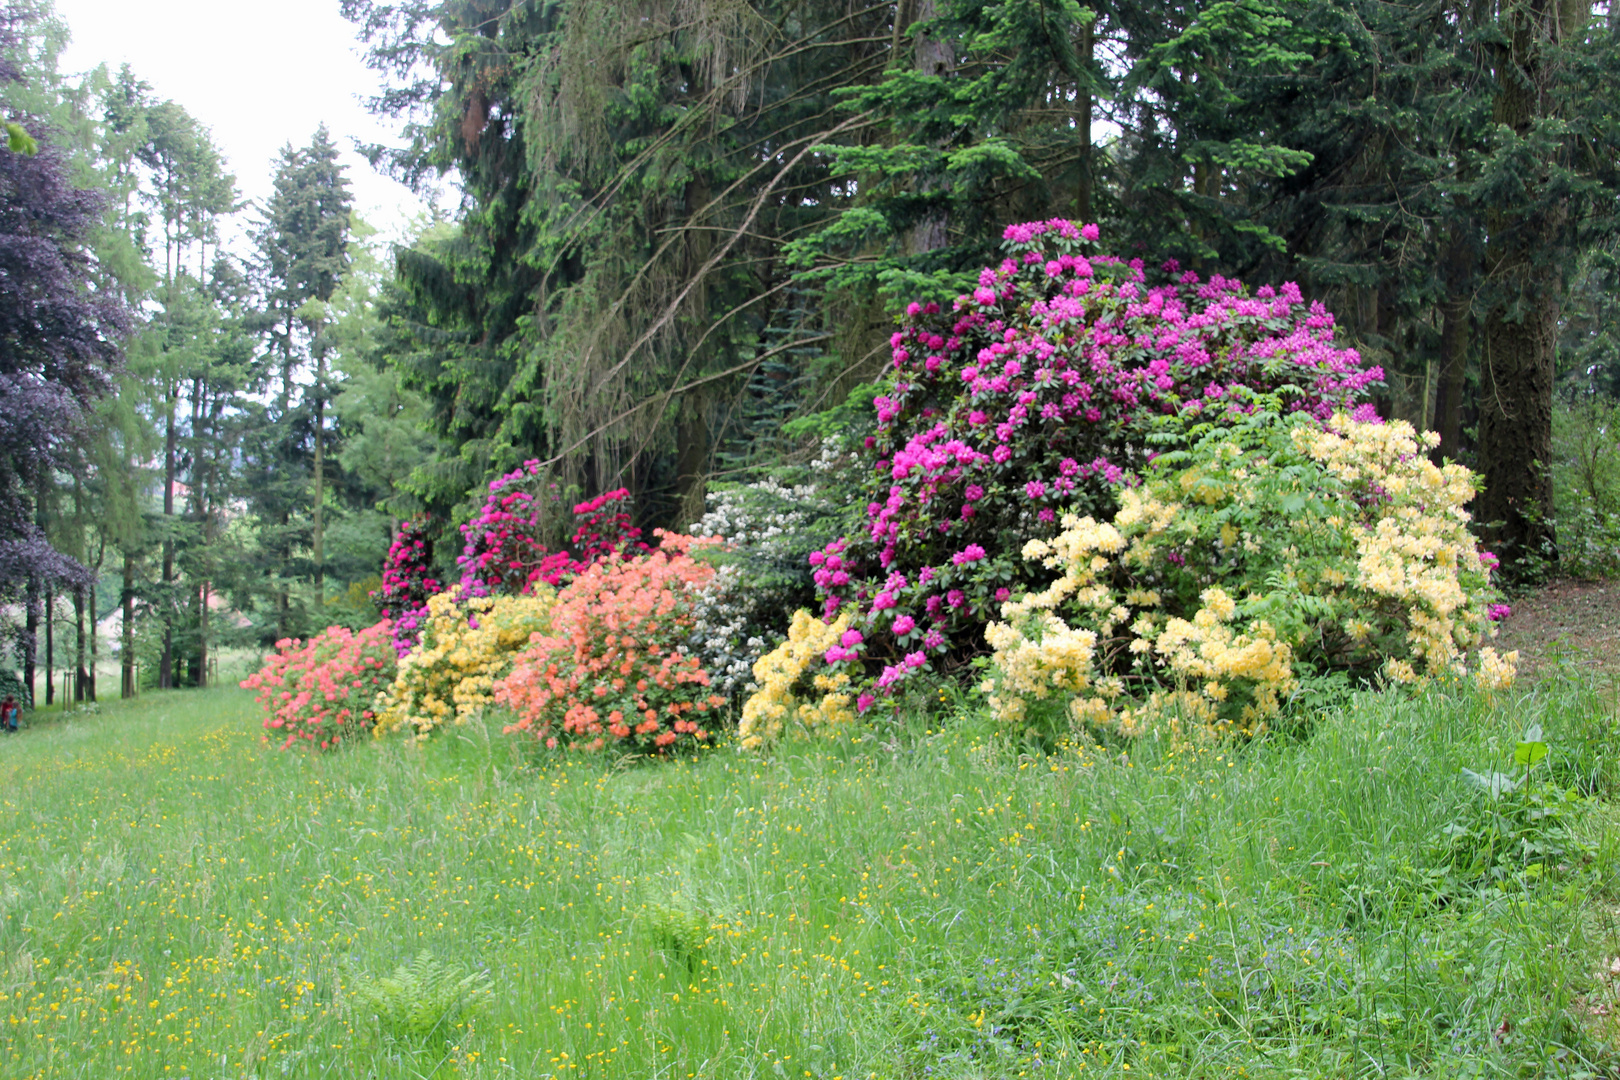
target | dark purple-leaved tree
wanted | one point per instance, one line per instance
(60, 342)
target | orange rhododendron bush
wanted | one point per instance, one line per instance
(324, 690)
(610, 673)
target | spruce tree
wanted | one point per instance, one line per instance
(303, 242)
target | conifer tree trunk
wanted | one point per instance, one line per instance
(50, 645)
(201, 679)
(935, 56)
(126, 655)
(166, 659)
(692, 457)
(1521, 328)
(1456, 336)
(197, 512)
(282, 541)
(1083, 189)
(1515, 417)
(95, 646)
(80, 680)
(319, 495)
(30, 641)
(692, 429)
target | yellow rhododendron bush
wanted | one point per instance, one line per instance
(465, 646)
(1279, 551)
(800, 691)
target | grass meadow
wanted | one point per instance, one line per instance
(178, 900)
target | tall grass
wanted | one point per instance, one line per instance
(177, 900)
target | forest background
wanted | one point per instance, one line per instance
(684, 230)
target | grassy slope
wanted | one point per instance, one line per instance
(176, 900)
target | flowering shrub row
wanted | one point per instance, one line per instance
(1170, 493)
(1034, 396)
(600, 664)
(1281, 547)
(325, 690)
(607, 672)
(505, 550)
(466, 646)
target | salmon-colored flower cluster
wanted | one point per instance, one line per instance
(324, 691)
(610, 673)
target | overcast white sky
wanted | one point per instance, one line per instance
(260, 74)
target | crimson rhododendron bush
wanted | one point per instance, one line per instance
(408, 581)
(610, 672)
(1062, 373)
(506, 552)
(324, 690)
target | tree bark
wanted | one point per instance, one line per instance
(318, 552)
(1459, 272)
(126, 655)
(934, 56)
(1455, 339)
(95, 646)
(50, 645)
(166, 659)
(202, 563)
(1515, 429)
(31, 639)
(201, 679)
(692, 457)
(1521, 327)
(1085, 182)
(80, 681)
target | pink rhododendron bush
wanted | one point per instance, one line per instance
(1281, 548)
(609, 673)
(324, 690)
(1063, 372)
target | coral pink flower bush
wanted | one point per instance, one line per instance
(324, 691)
(408, 582)
(610, 672)
(1033, 397)
(505, 550)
